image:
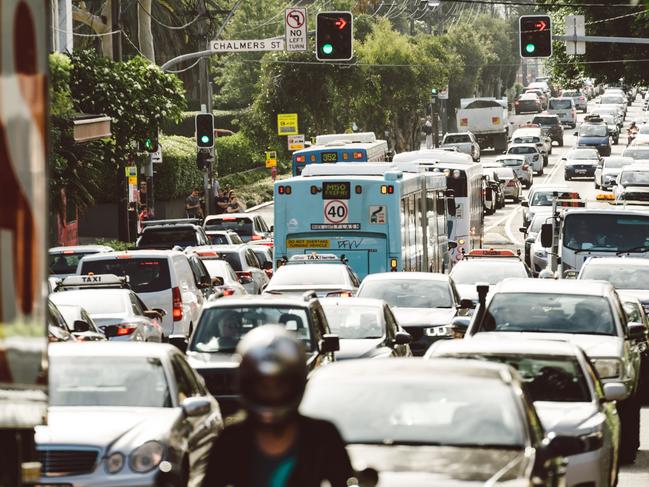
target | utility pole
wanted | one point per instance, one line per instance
(205, 90)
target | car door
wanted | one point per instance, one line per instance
(391, 329)
(152, 329)
(192, 297)
(201, 276)
(198, 432)
(258, 275)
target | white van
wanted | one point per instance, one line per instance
(534, 135)
(565, 109)
(161, 278)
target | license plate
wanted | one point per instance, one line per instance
(581, 171)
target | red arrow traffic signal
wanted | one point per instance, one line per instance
(541, 25)
(341, 23)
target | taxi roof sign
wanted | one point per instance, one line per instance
(93, 280)
(491, 253)
(315, 256)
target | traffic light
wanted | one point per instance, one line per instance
(535, 36)
(334, 36)
(203, 159)
(205, 130)
(150, 142)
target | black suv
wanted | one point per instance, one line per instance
(550, 126)
(169, 234)
(223, 322)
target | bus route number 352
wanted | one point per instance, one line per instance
(336, 211)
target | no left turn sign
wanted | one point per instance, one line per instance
(336, 211)
(295, 26)
(295, 18)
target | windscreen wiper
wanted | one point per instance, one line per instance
(641, 249)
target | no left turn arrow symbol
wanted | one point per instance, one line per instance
(295, 19)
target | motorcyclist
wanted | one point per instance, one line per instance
(632, 131)
(275, 446)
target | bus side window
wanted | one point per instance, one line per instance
(405, 241)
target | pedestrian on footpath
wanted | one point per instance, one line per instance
(235, 206)
(193, 207)
(221, 203)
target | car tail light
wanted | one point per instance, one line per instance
(495, 120)
(256, 237)
(228, 292)
(517, 103)
(124, 329)
(177, 304)
(511, 182)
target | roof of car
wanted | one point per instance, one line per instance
(132, 254)
(511, 156)
(259, 300)
(617, 261)
(77, 249)
(560, 286)
(395, 276)
(222, 248)
(104, 292)
(635, 189)
(533, 146)
(221, 232)
(111, 349)
(379, 303)
(229, 215)
(409, 368)
(495, 343)
(171, 227)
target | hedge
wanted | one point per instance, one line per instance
(223, 119)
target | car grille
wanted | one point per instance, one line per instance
(67, 462)
(220, 382)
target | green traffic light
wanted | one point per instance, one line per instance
(327, 48)
(530, 48)
(205, 139)
(148, 144)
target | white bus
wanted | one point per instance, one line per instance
(464, 178)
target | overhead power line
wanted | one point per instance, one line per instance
(548, 5)
(171, 27)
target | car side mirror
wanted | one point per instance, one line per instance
(460, 325)
(179, 341)
(466, 303)
(636, 331)
(272, 228)
(547, 236)
(329, 343)
(217, 281)
(245, 279)
(452, 244)
(614, 391)
(402, 338)
(195, 406)
(205, 282)
(525, 204)
(153, 314)
(522, 230)
(81, 326)
(563, 446)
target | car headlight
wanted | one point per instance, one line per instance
(608, 368)
(146, 457)
(114, 462)
(439, 331)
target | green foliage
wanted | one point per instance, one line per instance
(72, 168)
(236, 153)
(223, 119)
(116, 245)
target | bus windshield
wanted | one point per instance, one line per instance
(607, 233)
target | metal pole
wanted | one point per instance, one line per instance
(554, 251)
(602, 39)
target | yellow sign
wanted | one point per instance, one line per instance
(271, 159)
(130, 171)
(132, 180)
(311, 244)
(287, 124)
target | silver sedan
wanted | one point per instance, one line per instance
(125, 415)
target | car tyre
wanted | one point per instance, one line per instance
(597, 186)
(629, 412)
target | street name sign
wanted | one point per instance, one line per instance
(295, 24)
(247, 45)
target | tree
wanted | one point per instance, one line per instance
(100, 24)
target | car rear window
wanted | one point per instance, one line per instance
(241, 225)
(64, 263)
(456, 139)
(560, 104)
(146, 275)
(546, 120)
(232, 258)
(217, 239)
(521, 150)
(167, 238)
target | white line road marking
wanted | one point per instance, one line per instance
(508, 227)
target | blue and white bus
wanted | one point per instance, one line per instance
(464, 179)
(378, 217)
(335, 148)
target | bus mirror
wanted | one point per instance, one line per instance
(452, 244)
(547, 236)
(451, 207)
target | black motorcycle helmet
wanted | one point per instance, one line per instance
(272, 374)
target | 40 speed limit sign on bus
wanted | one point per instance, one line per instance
(336, 211)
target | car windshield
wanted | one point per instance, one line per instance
(582, 154)
(609, 119)
(95, 301)
(310, 274)
(621, 276)
(546, 378)
(593, 131)
(167, 238)
(522, 150)
(511, 162)
(233, 258)
(526, 139)
(98, 381)
(354, 321)
(615, 163)
(220, 329)
(409, 293)
(453, 410)
(561, 104)
(549, 313)
(456, 139)
(546, 121)
(635, 178)
(146, 275)
(217, 268)
(241, 225)
(606, 233)
(636, 153)
(491, 271)
(542, 198)
(65, 263)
